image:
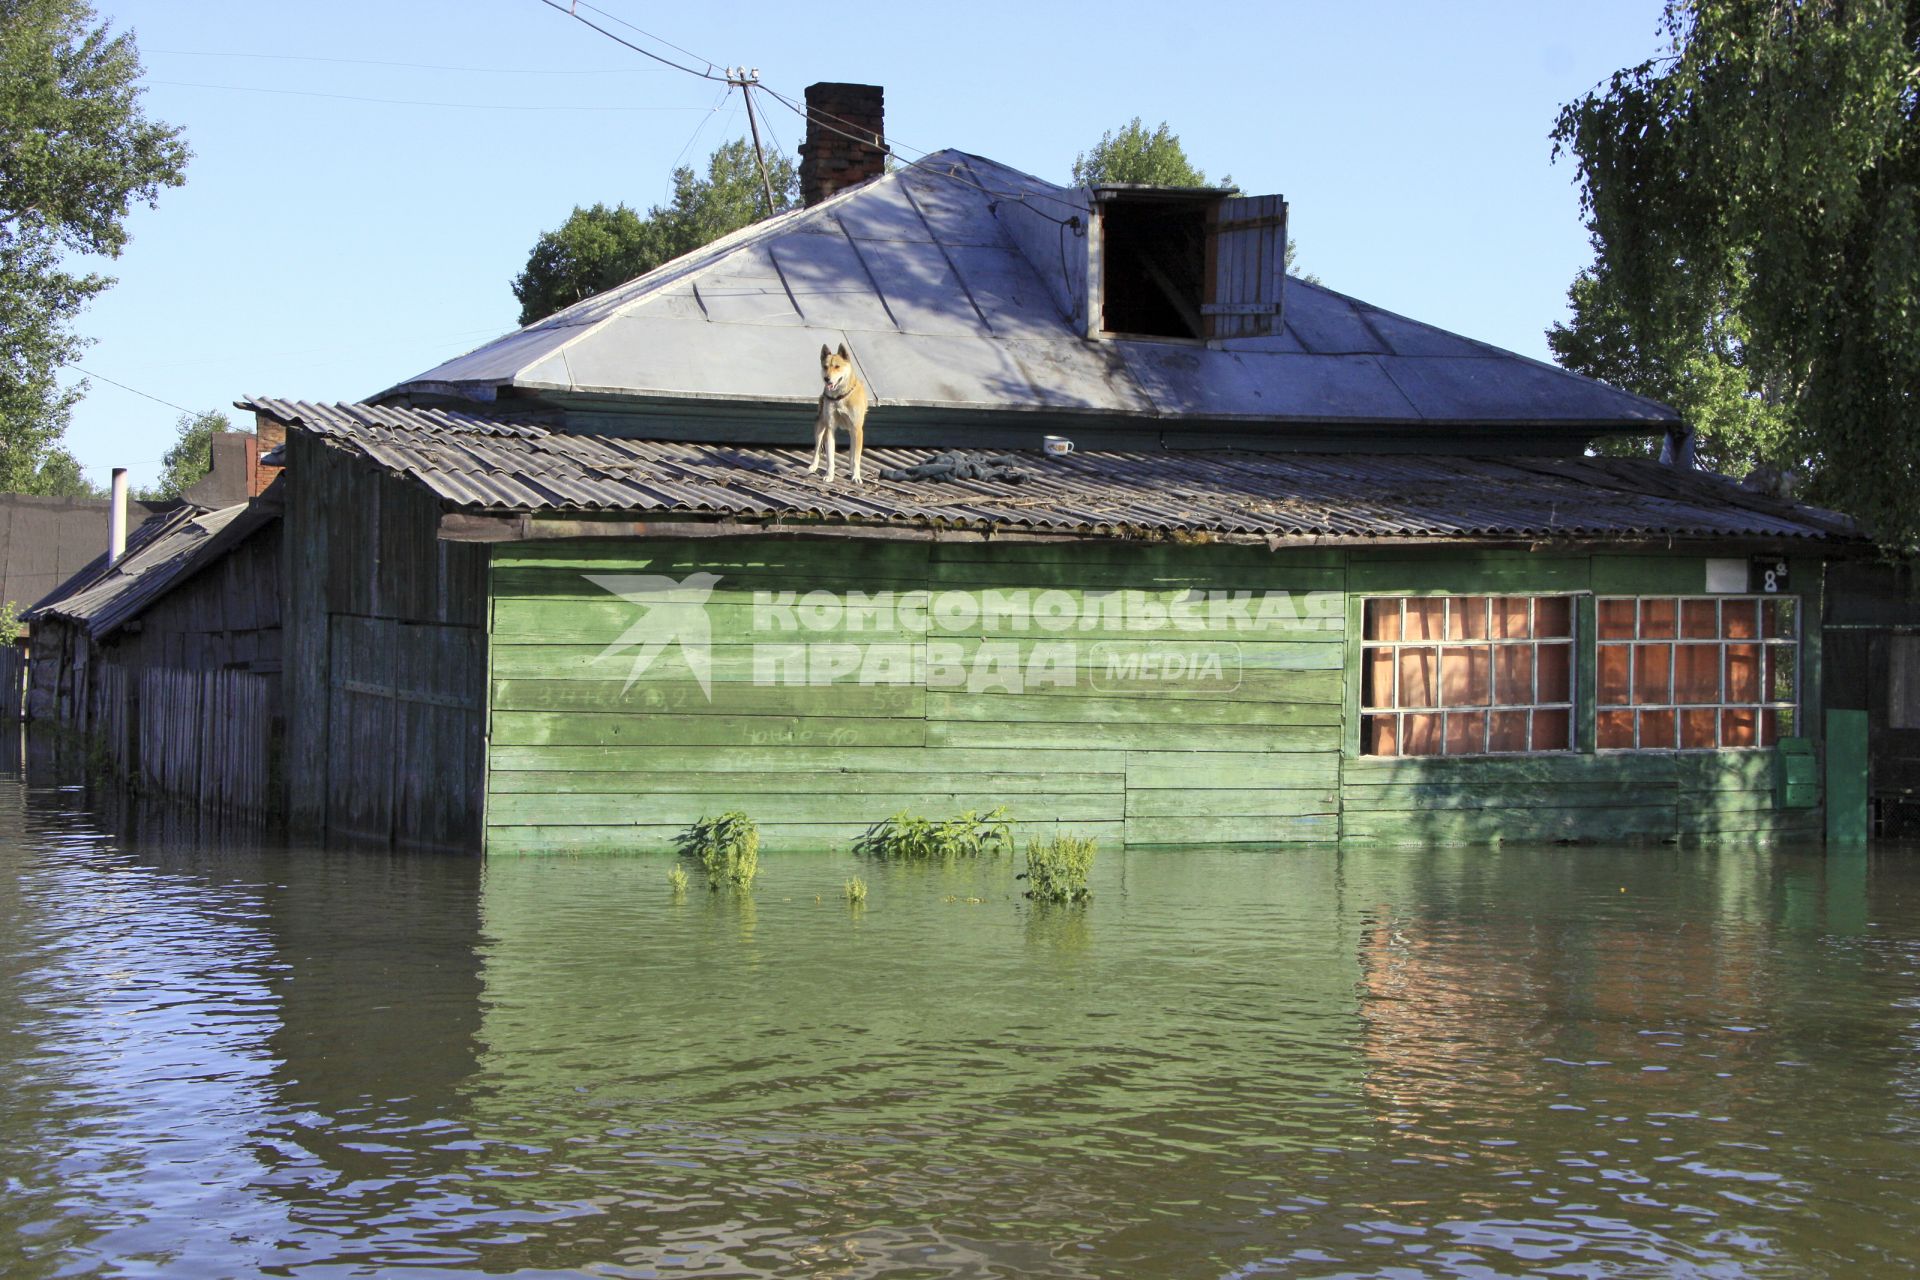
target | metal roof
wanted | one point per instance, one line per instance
(484, 465)
(163, 552)
(955, 283)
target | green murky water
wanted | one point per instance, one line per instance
(223, 1060)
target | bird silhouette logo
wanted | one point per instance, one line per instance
(672, 611)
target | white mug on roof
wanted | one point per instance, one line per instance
(1058, 446)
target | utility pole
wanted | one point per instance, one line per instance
(745, 80)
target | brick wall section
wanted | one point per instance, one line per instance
(269, 435)
(830, 160)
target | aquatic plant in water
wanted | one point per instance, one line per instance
(677, 878)
(968, 835)
(856, 891)
(1057, 869)
(727, 847)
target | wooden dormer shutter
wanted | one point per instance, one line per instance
(1246, 267)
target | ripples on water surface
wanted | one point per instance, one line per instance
(235, 1062)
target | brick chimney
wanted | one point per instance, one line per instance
(830, 160)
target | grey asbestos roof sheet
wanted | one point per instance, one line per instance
(161, 553)
(954, 285)
(483, 465)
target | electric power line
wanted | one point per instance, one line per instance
(407, 66)
(574, 14)
(124, 387)
(408, 102)
(614, 17)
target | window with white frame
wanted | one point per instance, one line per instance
(1695, 673)
(1466, 675)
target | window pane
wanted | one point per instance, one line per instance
(1696, 728)
(1778, 618)
(1739, 619)
(1376, 678)
(1513, 674)
(1780, 673)
(1743, 673)
(1553, 616)
(1416, 677)
(1552, 730)
(1656, 730)
(1696, 673)
(1556, 673)
(1656, 619)
(1699, 619)
(1424, 619)
(1787, 717)
(1510, 617)
(1614, 729)
(1737, 728)
(1466, 733)
(1467, 618)
(1376, 732)
(1769, 728)
(1652, 674)
(1464, 677)
(1616, 619)
(1507, 731)
(1419, 735)
(1383, 620)
(1612, 675)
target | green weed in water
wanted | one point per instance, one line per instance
(968, 835)
(677, 878)
(728, 847)
(856, 891)
(1057, 869)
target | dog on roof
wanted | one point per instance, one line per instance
(843, 403)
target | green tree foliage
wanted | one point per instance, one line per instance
(1754, 204)
(1137, 154)
(75, 153)
(598, 248)
(1152, 158)
(191, 456)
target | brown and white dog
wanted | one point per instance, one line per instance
(843, 403)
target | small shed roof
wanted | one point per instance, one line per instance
(955, 282)
(483, 464)
(163, 552)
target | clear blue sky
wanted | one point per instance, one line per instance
(325, 247)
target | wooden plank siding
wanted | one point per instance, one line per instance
(586, 754)
(386, 667)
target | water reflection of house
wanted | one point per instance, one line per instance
(1460, 626)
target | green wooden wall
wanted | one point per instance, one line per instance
(581, 759)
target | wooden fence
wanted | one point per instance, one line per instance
(206, 736)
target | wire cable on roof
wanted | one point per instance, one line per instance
(813, 116)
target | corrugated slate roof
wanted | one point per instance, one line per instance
(161, 553)
(954, 284)
(481, 464)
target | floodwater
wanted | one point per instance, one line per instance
(220, 1059)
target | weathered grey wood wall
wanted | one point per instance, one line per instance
(13, 683)
(385, 657)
